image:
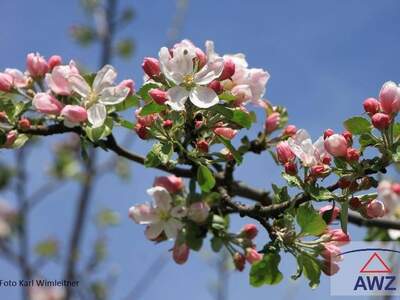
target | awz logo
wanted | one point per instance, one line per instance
(379, 278)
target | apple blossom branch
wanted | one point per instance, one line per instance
(237, 188)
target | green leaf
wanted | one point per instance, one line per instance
(266, 271)
(311, 269)
(396, 155)
(96, 134)
(291, 180)
(152, 108)
(320, 193)
(280, 194)
(205, 178)
(344, 213)
(20, 141)
(366, 140)
(309, 220)
(396, 131)
(193, 237)
(236, 155)
(358, 125)
(216, 244)
(227, 96)
(237, 116)
(219, 223)
(159, 154)
(131, 101)
(126, 124)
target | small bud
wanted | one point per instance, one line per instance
(228, 71)
(328, 133)
(128, 83)
(54, 61)
(227, 154)
(159, 96)
(344, 183)
(375, 209)
(348, 136)
(180, 253)
(371, 106)
(272, 122)
(329, 268)
(290, 168)
(352, 154)
(24, 123)
(396, 188)
(36, 65)
(202, 146)
(198, 124)
(249, 231)
(318, 171)
(151, 66)
(326, 159)
(390, 98)
(168, 123)
(290, 130)
(47, 104)
(142, 131)
(331, 252)
(216, 86)
(338, 236)
(284, 153)
(380, 121)
(172, 183)
(336, 145)
(74, 113)
(252, 256)
(225, 132)
(11, 137)
(3, 116)
(198, 212)
(240, 261)
(6, 82)
(355, 203)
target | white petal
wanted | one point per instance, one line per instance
(177, 96)
(394, 234)
(104, 78)
(154, 230)
(97, 114)
(161, 198)
(210, 71)
(142, 214)
(203, 97)
(79, 85)
(171, 228)
(164, 58)
(113, 95)
(179, 211)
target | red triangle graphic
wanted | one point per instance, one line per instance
(375, 255)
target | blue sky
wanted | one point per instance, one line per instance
(324, 57)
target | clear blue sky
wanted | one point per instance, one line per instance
(324, 58)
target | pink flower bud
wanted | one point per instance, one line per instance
(375, 209)
(348, 136)
(216, 86)
(331, 252)
(225, 132)
(352, 154)
(290, 168)
(329, 268)
(47, 104)
(389, 97)
(198, 124)
(151, 66)
(202, 58)
(290, 130)
(253, 256)
(327, 209)
(380, 121)
(338, 236)
(159, 96)
(180, 253)
(142, 131)
(20, 80)
(171, 183)
(11, 137)
(198, 211)
(272, 122)
(145, 121)
(128, 83)
(284, 153)
(396, 188)
(227, 154)
(250, 231)
(24, 123)
(36, 65)
(328, 133)
(371, 106)
(317, 170)
(58, 79)
(355, 203)
(240, 261)
(336, 145)
(168, 123)
(6, 82)
(54, 61)
(326, 159)
(202, 146)
(229, 69)
(74, 113)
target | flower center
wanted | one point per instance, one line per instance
(188, 81)
(91, 100)
(164, 215)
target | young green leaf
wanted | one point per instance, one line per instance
(266, 271)
(152, 108)
(205, 178)
(358, 125)
(310, 221)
